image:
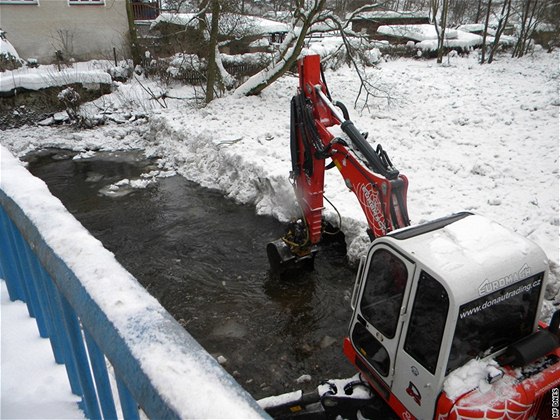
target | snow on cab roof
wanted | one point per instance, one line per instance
(472, 252)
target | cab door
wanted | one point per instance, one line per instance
(420, 358)
(380, 311)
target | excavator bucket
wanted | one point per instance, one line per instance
(282, 259)
(279, 255)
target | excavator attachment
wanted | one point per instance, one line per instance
(368, 172)
(288, 252)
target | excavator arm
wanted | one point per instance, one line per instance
(380, 188)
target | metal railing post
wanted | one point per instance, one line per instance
(101, 377)
(10, 266)
(128, 405)
(78, 353)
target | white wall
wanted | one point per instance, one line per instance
(82, 31)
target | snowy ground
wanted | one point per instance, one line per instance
(33, 386)
(469, 137)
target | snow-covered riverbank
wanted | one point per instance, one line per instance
(469, 137)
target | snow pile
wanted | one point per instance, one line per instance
(6, 48)
(474, 375)
(48, 76)
(46, 392)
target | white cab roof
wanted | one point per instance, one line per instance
(471, 255)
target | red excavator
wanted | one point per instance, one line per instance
(445, 320)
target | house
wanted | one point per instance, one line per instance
(54, 30)
(238, 33)
(369, 22)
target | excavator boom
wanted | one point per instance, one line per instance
(367, 172)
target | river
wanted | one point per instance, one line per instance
(203, 257)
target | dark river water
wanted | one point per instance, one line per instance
(203, 257)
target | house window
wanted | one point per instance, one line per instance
(19, 1)
(74, 2)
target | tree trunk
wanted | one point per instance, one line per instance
(519, 49)
(485, 34)
(478, 11)
(212, 71)
(506, 8)
(441, 35)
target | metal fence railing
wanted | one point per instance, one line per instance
(122, 351)
(145, 10)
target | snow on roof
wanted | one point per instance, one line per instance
(247, 24)
(463, 40)
(426, 36)
(472, 27)
(390, 14)
(279, 16)
(415, 32)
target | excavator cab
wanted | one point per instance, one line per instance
(441, 302)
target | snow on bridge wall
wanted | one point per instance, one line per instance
(75, 288)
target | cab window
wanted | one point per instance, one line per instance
(383, 293)
(427, 322)
(371, 349)
(495, 321)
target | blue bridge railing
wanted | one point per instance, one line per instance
(102, 325)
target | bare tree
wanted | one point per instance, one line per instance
(309, 20)
(212, 70)
(133, 36)
(440, 10)
(478, 11)
(532, 14)
(485, 34)
(289, 50)
(502, 22)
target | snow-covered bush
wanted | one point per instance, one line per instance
(72, 101)
(9, 58)
(122, 72)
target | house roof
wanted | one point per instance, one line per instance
(241, 24)
(389, 15)
(415, 32)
